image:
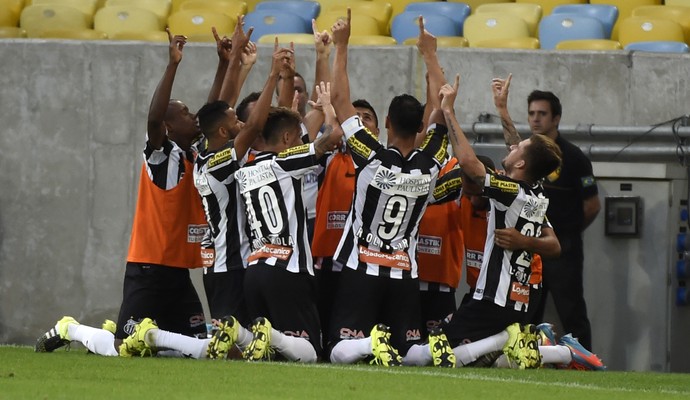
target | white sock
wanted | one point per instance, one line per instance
(503, 362)
(418, 355)
(97, 340)
(293, 348)
(555, 355)
(350, 351)
(189, 346)
(244, 337)
(467, 353)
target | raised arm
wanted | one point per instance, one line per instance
(287, 82)
(332, 133)
(247, 61)
(546, 245)
(223, 47)
(322, 45)
(500, 88)
(231, 89)
(161, 97)
(257, 118)
(467, 159)
(340, 97)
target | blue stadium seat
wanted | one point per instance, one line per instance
(607, 14)
(307, 10)
(659, 47)
(457, 12)
(558, 27)
(267, 22)
(406, 25)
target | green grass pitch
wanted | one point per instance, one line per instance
(77, 375)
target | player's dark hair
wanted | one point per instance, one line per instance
(542, 156)
(280, 119)
(243, 108)
(361, 103)
(406, 113)
(211, 115)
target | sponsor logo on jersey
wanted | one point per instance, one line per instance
(220, 157)
(398, 260)
(447, 187)
(588, 181)
(201, 183)
(195, 233)
(429, 245)
(300, 334)
(413, 334)
(358, 147)
(249, 178)
(503, 185)
(208, 257)
(535, 209)
(301, 149)
(347, 333)
(474, 258)
(392, 183)
(519, 293)
(336, 219)
(271, 250)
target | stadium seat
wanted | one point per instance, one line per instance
(10, 11)
(326, 5)
(659, 47)
(161, 8)
(526, 43)
(39, 17)
(589, 44)
(117, 19)
(480, 27)
(12, 32)
(557, 27)
(406, 25)
(286, 38)
(399, 5)
(476, 3)
(678, 14)
(381, 12)
(605, 13)
(230, 8)
(530, 13)
(547, 6)
(625, 8)
(442, 41)
(685, 3)
(88, 7)
(361, 24)
(457, 12)
(643, 29)
(143, 36)
(372, 40)
(307, 10)
(196, 24)
(74, 34)
(269, 22)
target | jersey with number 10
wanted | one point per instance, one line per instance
(271, 190)
(504, 275)
(391, 194)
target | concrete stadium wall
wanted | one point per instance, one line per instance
(72, 127)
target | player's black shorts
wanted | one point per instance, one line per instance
(436, 306)
(327, 281)
(362, 301)
(287, 299)
(479, 319)
(165, 294)
(225, 294)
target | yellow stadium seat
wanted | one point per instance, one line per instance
(589, 44)
(75, 34)
(144, 36)
(625, 8)
(159, 7)
(528, 43)
(443, 41)
(327, 4)
(530, 13)
(175, 5)
(10, 11)
(372, 40)
(399, 5)
(286, 38)
(487, 26)
(116, 19)
(196, 24)
(380, 11)
(678, 14)
(10, 32)
(230, 8)
(685, 3)
(88, 7)
(548, 5)
(39, 17)
(644, 29)
(476, 3)
(361, 24)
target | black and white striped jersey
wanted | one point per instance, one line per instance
(504, 275)
(165, 166)
(271, 190)
(214, 178)
(391, 194)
